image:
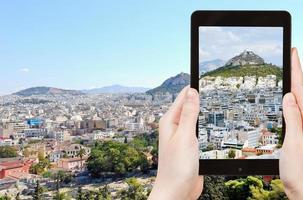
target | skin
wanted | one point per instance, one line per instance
(178, 165)
(291, 160)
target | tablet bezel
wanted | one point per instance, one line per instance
(241, 19)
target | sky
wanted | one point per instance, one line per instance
(75, 44)
(227, 42)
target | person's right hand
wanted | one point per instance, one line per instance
(291, 160)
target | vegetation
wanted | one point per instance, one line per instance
(134, 191)
(247, 70)
(231, 154)
(254, 188)
(5, 197)
(115, 157)
(7, 152)
(80, 154)
(61, 196)
(214, 188)
(102, 194)
(80, 195)
(38, 192)
(246, 188)
(41, 167)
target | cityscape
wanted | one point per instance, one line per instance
(241, 109)
(78, 144)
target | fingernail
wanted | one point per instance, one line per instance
(191, 94)
(289, 99)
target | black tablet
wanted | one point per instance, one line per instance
(240, 64)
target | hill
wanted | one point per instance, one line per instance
(116, 89)
(46, 91)
(172, 85)
(246, 64)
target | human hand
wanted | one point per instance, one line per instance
(291, 160)
(178, 165)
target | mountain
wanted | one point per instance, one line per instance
(116, 89)
(245, 58)
(210, 65)
(46, 91)
(172, 85)
(246, 64)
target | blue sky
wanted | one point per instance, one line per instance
(83, 44)
(226, 42)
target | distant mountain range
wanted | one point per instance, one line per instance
(47, 91)
(116, 89)
(172, 85)
(210, 65)
(246, 64)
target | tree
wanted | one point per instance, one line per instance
(80, 154)
(5, 197)
(61, 196)
(80, 195)
(114, 157)
(7, 152)
(231, 154)
(214, 188)
(134, 191)
(103, 193)
(40, 167)
(38, 192)
(89, 195)
(18, 196)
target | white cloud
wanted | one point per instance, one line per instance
(25, 70)
(226, 42)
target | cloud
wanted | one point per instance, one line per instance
(25, 70)
(226, 42)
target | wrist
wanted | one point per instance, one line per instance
(165, 191)
(293, 194)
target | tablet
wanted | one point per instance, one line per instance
(240, 64)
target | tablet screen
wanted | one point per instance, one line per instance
(240, 86)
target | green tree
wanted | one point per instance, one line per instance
(214, 188)
(231, 154)
(103, 193)
(5, 197)
(41, 167)
(80, 195)
(38, 192)
(134, 191)
(89, 195)
(80, 154)
(7, 152)
(17, 196)
(116, 157)
(61, 196)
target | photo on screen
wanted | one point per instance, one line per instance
(240, 86)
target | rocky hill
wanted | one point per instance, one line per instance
(245, 58)
(246, 64)
(46, 91)
(172, 85)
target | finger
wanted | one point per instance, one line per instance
(189, 114)
(169, 122)
(297, 79)
(293, 120)
(173, 114)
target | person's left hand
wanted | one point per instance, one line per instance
(178, 167)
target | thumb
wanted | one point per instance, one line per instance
(293, 120)
(189, 113)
